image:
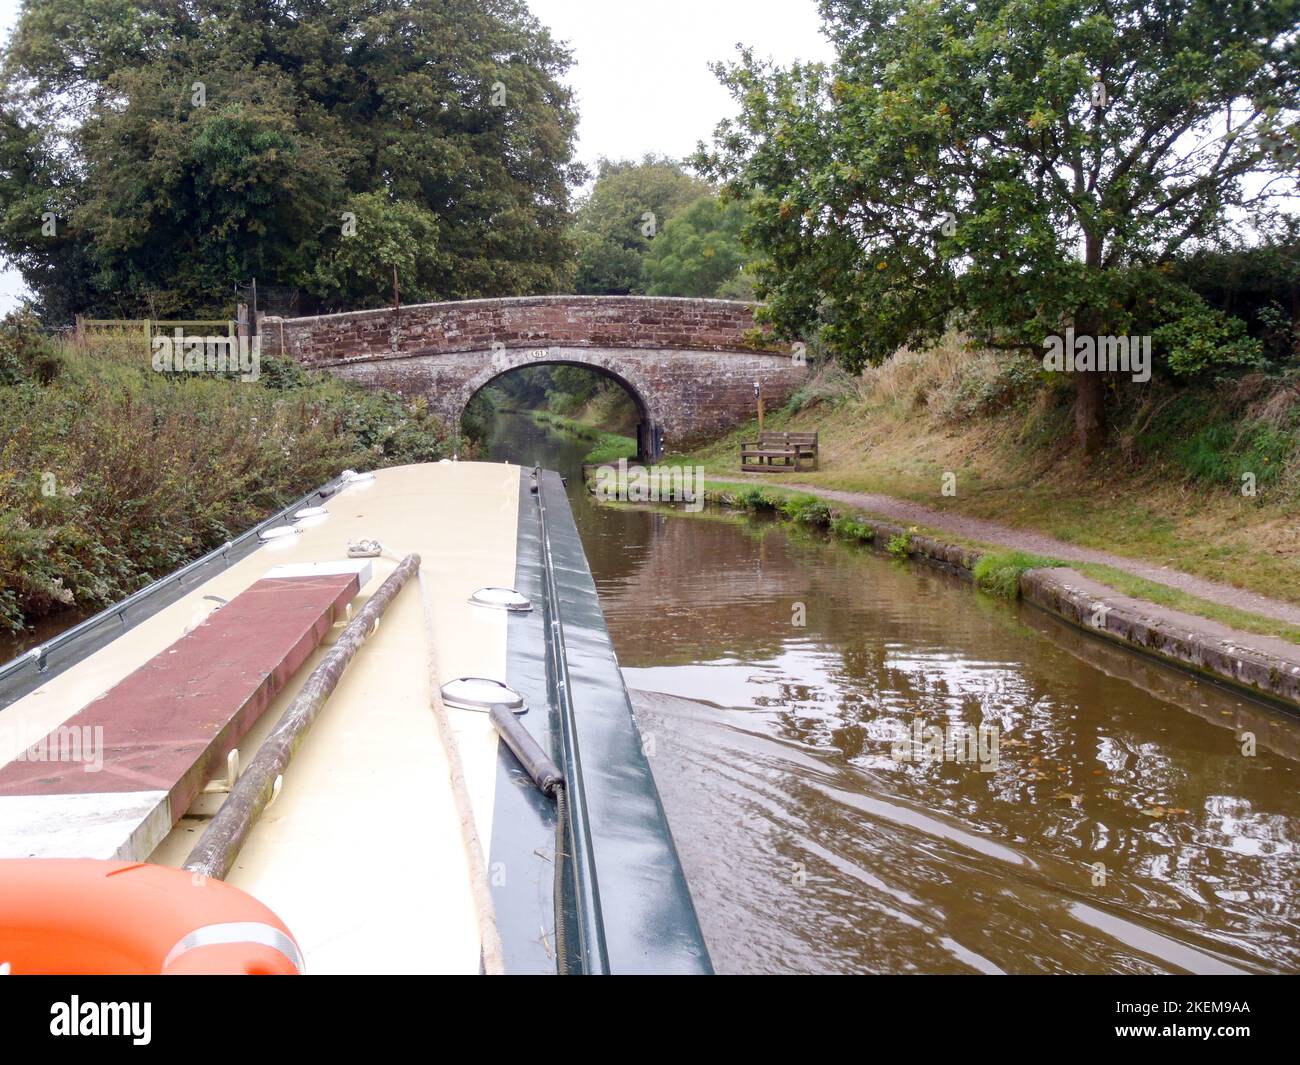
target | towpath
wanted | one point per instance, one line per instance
(992, 532)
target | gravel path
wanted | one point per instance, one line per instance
(992, 532)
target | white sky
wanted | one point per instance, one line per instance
(640, 71)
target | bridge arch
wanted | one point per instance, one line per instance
(508, 360)
(691, 365)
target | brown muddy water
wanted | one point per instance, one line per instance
(1120, 827)
(12, 646)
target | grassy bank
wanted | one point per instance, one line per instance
(1168, 490)
(605, 446)
(112, 475)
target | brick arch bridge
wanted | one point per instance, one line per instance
(689, 365)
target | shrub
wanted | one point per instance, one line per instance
(816, 513)
(805, 510)
(112, 475)
(565, 404)
(1198, 337)
(848, 528)
(281, 373)
(26, 353)
(754, 498)
(1256, 284)
(900, 545)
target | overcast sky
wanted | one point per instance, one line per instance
(641, 71)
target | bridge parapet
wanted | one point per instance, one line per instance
(642, 322)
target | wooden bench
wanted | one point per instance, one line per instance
(776, 451)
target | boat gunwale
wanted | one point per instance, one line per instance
(593, 950)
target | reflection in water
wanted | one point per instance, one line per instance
(1123, 829)
(11, 646)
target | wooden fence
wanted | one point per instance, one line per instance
(148, 328)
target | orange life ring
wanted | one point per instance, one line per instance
(83, 916)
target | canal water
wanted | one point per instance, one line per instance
(1121, 826)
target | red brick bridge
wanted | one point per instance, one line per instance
(690, 365)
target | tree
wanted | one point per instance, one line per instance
(628, 206)
(1008, 167)
(183, 147)
(401, 236)
(1259, 284)
(698, 250)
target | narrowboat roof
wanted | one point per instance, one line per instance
(361, 852)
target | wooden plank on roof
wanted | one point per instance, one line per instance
(125, 767)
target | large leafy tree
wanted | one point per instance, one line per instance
(621, 217)
(698, 252)
(184, 146)
(1012, 167)
(390, 236)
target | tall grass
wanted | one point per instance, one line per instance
(1212, 433)
(112, 475)
(1250, 428)
(950, 381)
(999, 572)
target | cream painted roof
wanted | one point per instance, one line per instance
(361, 853)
